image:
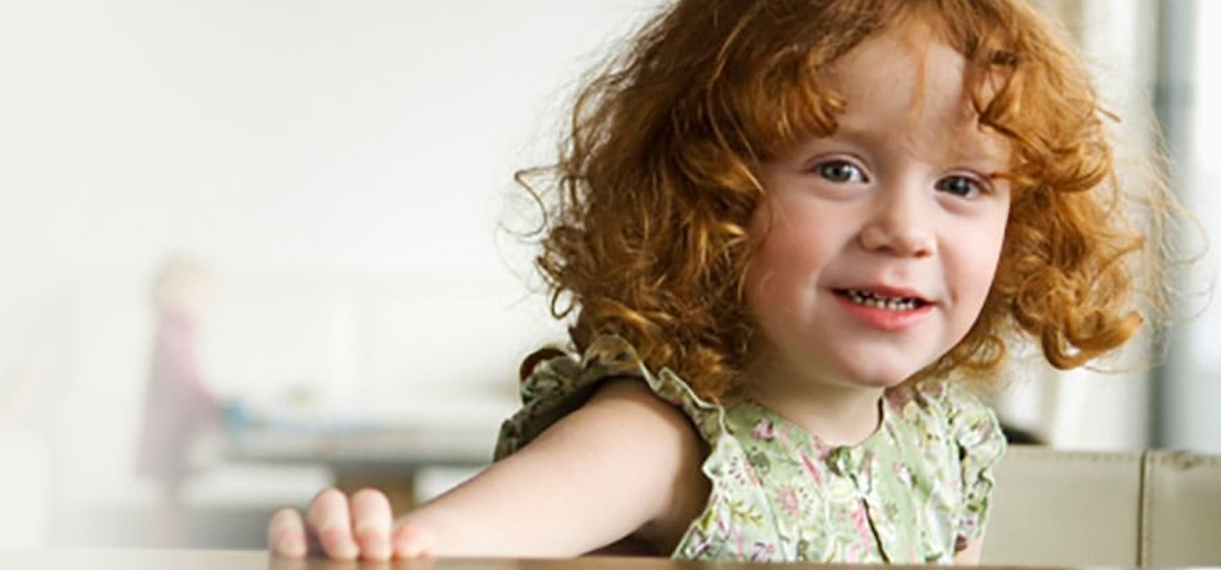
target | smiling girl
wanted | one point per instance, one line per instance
(791, 235)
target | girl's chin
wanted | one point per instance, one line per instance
(882, 384)
(881, 379)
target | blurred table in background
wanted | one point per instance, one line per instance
(387, 456)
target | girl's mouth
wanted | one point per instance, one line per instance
(874, 300)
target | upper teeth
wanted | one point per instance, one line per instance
(880, 301)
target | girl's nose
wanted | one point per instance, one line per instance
(900, 227)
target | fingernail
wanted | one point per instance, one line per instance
(290, 546)
(375, 546)
(346, 549)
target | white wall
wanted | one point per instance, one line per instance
(341, 165)
(1195, 395)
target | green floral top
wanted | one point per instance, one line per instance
(915, 491)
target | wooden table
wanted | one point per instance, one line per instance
(260, 560)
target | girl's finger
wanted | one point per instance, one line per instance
(412, 541)
(330, 519)
(371, 522)
(286, 534)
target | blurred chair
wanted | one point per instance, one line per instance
(1152, 508)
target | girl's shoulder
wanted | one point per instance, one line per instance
(558, 386)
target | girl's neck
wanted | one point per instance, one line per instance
(835, 414)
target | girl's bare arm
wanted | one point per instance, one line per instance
(624, 464)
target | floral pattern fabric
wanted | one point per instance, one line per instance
(916, 491)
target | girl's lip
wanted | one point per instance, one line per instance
(887, 291)
(907, 315)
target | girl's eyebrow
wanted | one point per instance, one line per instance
(990, 149)
(846, 131)
(985, 154)
(965, 145)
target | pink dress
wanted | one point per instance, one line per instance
(177, 404)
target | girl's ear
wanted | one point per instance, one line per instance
(534, 359)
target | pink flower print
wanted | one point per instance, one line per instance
(764, 430)
(811, 469)
(860, 520)
(702, 545)
(762, 552)
(854, 553)
(739, 545)
(904, 474)
(789, 503)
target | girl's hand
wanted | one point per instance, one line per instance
(347, 529)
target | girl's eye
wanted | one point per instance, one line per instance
(961, 186)
(840, 171)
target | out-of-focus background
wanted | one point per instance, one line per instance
(252, 248)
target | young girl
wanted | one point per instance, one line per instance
(792, 233)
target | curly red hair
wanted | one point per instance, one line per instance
(655, 186)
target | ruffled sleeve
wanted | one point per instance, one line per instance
(981, 444)
(560, 385)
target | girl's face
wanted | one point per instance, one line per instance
(882, 239)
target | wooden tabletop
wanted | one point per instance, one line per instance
(103, 559)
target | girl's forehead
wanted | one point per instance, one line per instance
(912, 85)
